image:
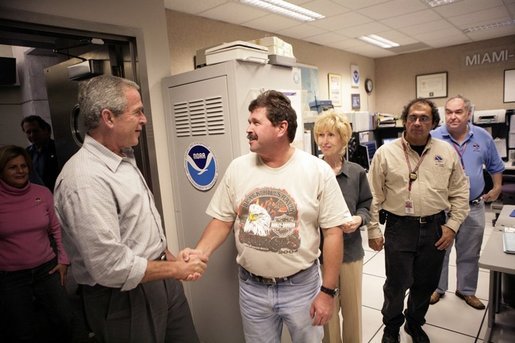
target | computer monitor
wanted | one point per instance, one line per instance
(388, 140)
(371, 147)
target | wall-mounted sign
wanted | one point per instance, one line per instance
(354, 76)
(335, 89)
(503, 55)
(200, 166)
(355, 101)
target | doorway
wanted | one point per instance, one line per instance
(46, 88)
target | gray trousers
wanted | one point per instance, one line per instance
(468, 247)
(153, 312)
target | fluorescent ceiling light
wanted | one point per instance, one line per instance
(489, 26)
(436, 3)
(379, 41)
(285, 8)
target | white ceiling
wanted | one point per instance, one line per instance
(411, 23)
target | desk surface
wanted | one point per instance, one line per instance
(494, 258)
(509, 166)
(504, 218)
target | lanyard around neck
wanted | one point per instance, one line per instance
(412, 172)
(461, 151)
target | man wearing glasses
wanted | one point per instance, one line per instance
(475, 147)
(413, 181)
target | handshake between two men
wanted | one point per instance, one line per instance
(189, 264)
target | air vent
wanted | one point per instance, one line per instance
(201, 117)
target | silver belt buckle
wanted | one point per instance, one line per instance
(475, 201)
(422, 220)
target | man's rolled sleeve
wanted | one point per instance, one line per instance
(136, 273)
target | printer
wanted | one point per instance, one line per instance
(489, 117)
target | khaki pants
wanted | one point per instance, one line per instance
(349, 301)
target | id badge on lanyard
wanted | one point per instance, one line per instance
(409, 207)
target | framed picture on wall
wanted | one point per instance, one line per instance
(509, 85)
(355, 101)
(335, 89)
(354, 76)
(431, 85)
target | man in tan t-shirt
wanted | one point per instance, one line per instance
(275, 199)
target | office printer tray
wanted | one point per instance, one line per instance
(237, 50)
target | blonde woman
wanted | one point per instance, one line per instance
(332, 134)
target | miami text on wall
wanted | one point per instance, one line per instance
(498, 56)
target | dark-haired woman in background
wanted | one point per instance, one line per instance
(32, 275)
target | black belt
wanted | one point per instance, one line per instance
(273, 280)
(476, 201)
(421, 220)
(161, 257)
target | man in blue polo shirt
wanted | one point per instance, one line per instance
(476, 148)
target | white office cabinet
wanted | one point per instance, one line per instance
(206, 118)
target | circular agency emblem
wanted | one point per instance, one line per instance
(355, 77)
(200, 166)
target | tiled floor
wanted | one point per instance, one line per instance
(449, 320)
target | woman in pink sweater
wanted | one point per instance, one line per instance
(32, 273)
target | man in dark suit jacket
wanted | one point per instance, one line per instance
(42, 151)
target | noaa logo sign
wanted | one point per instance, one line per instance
(201, 167)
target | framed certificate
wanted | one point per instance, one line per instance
(355, 101)
(509, 85)
(431, 85)
(335, 89)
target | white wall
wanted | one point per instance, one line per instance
(146, 21)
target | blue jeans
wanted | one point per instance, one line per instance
(468, 247)
(265, 308)
(25, 292)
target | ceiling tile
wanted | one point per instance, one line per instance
(325, 7)
(411, 23)
(427, 27)
(301, 31)
(193, 7)
(347, 44)
(372, 51)
(414, 18)
(442, 37)
(449, 40)
(364, 29)
(341, 21)
(324, 38)
(272, 22)
(491, 15)
(398, 37)
(392, 9)
(466, 6)
(492, 33)
(357, 4)
(234, 12)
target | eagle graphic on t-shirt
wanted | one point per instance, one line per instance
(258, 221)
(268, 221)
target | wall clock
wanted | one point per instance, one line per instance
(369, 85)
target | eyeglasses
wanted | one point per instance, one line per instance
(423, 119)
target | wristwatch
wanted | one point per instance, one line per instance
(332, 292)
